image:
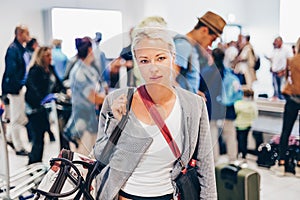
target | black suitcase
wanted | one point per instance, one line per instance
(236, 183)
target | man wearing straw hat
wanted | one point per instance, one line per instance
(191, 54)
(191, 58)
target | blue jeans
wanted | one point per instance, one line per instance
(277, 80)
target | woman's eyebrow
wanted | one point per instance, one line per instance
(143, 56)
(162, 53)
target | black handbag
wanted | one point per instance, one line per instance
(187, 182)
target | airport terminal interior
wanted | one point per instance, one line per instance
(63, 28)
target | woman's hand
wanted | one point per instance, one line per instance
(202, 94)
(119, 107)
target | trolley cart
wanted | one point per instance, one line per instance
(23, 180)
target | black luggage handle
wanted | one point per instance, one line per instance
(229, 172)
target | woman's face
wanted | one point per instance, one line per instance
(47, 57)
(154, 60)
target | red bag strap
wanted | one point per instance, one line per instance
(148, 102)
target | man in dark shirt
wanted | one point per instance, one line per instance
(16, 61)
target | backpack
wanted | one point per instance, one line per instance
(267, 154)
(231, 90)
(257, 63)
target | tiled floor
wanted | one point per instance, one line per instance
(272, 187)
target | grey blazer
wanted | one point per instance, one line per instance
(134, 142)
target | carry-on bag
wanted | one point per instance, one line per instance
(267, 154)
(236, 183)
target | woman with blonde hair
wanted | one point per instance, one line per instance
(145, 162)
(41, 81)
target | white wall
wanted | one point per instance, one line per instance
(262, 23)
(182, 15)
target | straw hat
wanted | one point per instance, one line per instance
(213, 21)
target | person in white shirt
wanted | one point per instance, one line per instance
(245, 62)
(231, 53)
(278, 59)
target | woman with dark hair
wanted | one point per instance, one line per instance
(41, 81)
(82, 126)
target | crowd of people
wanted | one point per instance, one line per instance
(185, 80)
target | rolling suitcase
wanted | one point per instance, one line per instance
(236, 183)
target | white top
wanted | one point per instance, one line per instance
(279, 58)
(152, 176)
(230, 54)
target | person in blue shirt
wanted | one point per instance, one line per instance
(100, 60)
(59, 59)
(191, 51)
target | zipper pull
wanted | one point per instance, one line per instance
(192, 162)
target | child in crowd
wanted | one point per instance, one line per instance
(246, 111)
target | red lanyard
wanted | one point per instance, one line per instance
(147, 100)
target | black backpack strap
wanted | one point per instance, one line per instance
(115, 135)
(113, 140)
